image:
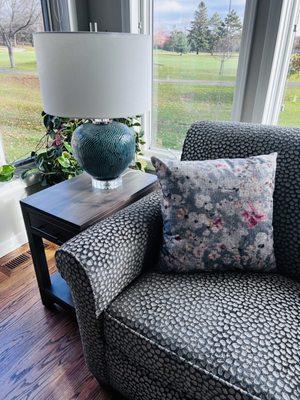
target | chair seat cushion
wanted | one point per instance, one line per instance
(207, 336)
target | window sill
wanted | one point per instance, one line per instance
(17, 181)
(162, 154)
(165, 154)
(34, 179)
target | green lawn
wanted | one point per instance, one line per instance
(177, 105)
(20, 114)
(180, 105)
(168, 65)
(194, 103)
(290, 116)
(24, 58)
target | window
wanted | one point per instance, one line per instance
(195, 57)
(20, 104)
(196, 50)
(290, 110)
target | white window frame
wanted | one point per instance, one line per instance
(281, 60)
(244, 57)
(146, 23)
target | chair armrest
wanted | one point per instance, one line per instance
(113, 252)
(101, 261)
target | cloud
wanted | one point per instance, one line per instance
(179, 13)
(169, 6)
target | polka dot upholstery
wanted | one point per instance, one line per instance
(100, 262)
(211, 140)
(204, 336)
(209, 336)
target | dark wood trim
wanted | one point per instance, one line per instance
(37, 249)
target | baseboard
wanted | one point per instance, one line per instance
(13, 243)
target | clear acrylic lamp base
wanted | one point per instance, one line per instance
(106, 185)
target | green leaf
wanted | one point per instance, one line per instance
(68, 147)
(52, 134)
(47, 119)
(63, 161)
(28, 172)
(141, 164)
(66, 154)
(56, 122)
(6, 172)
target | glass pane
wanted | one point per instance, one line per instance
(290, 113)
(195, 56)
(20, 103)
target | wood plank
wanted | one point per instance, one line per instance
(40, 350)
(79, 204)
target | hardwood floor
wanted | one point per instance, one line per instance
(40, 350)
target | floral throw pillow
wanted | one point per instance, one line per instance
(217, 214)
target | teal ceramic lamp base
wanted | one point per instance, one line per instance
(104, 151)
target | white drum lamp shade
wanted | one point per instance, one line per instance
(94, 75)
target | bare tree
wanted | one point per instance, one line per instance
(229, 37)
(16, 16)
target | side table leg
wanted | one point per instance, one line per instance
(38, 255)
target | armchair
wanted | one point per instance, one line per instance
(210, 336)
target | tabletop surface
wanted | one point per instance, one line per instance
(76, 202)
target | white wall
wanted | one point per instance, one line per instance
(12, 232)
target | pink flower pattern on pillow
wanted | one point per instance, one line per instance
(217, 213)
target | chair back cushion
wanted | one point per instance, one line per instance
(207, 140)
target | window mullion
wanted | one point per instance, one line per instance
(146, 25)
(244, 57)
(281, 60)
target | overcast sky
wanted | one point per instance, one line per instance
(169, 14)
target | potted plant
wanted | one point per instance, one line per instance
(53, 156)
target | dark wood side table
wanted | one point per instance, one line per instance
(62, 211)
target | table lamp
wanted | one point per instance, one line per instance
(96, 76)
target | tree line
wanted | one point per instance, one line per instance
(213, 35)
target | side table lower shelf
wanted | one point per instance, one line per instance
(60, 292)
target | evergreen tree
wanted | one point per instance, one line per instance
(234, 26)
(215, 32)
(199, 32)
(178, 42)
